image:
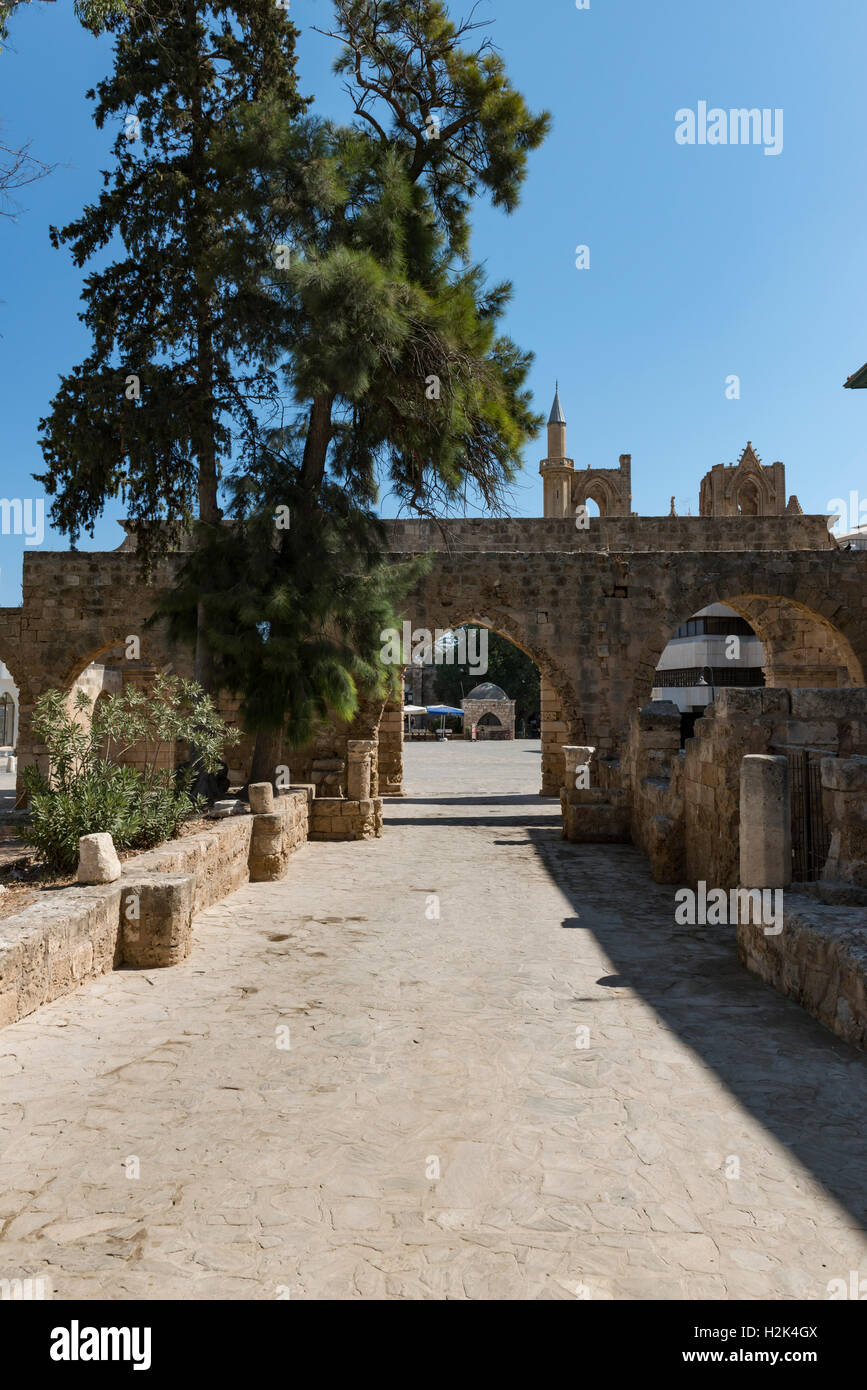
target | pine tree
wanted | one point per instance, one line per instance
(440, 114)
(394, 359)
(295, 591)
(185, 325)
(346, 250)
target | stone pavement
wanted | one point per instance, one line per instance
(707, 1142)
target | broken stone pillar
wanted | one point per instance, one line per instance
(156, 916)
(658, 739)
(591, 813)
(261, 796)
(577, 757)
(359, 753)
(844, 792)
(269, 855)
(765, 822)
(97, 859)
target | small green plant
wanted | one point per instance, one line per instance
(88, 789)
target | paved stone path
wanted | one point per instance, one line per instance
(707, 1143)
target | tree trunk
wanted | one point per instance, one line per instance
(266, 755)
(319, 433)
(206, 408)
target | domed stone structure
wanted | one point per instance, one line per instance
(487, 691)
(489, 710)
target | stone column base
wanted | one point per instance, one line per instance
(156, 917)
(334, 818)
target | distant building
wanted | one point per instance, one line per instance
(715, 643)
(858, 380)
(566, 487)
(856, 539)
(747, 488)
(490, 709)
(8, 709)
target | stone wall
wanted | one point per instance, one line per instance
(652, 774)
(844, 791)
(753, 721)
(593, 801)
(324, 761)
(683, 808)
(145, 918)
(819, 956)
(390, 742)
(593, 608)
(555, 736)
(819, 959)
(673, 534)
(336, 818)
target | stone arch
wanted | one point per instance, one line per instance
(748, 500)
(593, 487)
(803, 647)
(155, 654)
(561, 720)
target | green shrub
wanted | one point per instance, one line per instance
(101, 798)
(87, 791)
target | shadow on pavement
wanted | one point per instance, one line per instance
(807, 1087)
(482, 819)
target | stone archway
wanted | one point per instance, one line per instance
(593, 608)
(557, 700)
(440, 605)
(748, 502)
(803, 648)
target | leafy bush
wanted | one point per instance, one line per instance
(87, 789)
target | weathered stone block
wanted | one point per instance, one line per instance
(847, 775)
(765, 822)
(156, 928)
(819, 959)
(97, 859)
(261, 796)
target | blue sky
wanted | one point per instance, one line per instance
(705, 261)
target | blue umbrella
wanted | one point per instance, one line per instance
(444, 710)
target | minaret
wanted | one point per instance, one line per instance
(557, 469)
(557, 428)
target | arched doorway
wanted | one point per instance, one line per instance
(714, 649)
(8, 719)
(9, 701)
(800, 647)
(496, 741)
(489, 721)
